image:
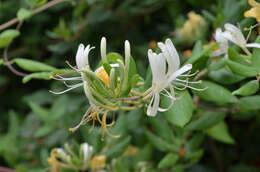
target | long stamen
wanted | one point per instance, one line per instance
(190, 82)
(66, 79)
(189, 75)
(197, 89)
(76, 86)
(70, 86)
(83, 120)
(72, 67)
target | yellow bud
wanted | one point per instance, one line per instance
(98, 162)
(102, 74)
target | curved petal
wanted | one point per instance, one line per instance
(256, 45)
(235, 35)
(154, 105)
(80, 56)
(171, 55)
(182, 70)
(171, 96)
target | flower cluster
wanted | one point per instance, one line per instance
(115, 84)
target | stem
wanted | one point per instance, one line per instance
(10, 67)
(37, 10)
(246, 51)
(3, 169)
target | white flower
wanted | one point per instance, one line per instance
(81, 62)
(86, 152)
(82, 56)
(165, 68)
(223, 44)
(234, 34)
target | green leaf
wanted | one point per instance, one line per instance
(38, 2)
(205, 121)
(1, 62)
(256, 55)
(240, 69)
(42, 113)
(250, 103)
(33, 66)
(220, 133)
(169, 160)
(225, 76)
(118, 148)
(112, 58)
(162, 128)
(160, 143)
(7, 36)
(59, 107)
(247, 89)
(215, 93)
(107, 68)
(40, 75)
(23, 14)
(236, 57)
(134, 80)
(44, 130)
(220, 63)
(199, 52)
(181, 111)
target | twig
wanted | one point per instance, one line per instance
(10, 66)
(37, 10)
(4, 169)
(216, 155)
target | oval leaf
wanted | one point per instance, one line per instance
(181, 111)
(215, 93)
(248, 89)
(33, 66)
(23, 14)
(240, 69)
(250, 103)
(205, 121)
(7, 36)
(169, 160)
(220, 133)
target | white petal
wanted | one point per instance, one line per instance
(236, 36)
(80, 56)
(174, 54)
(182, 70)
(103, 49)
(127, 53)
(171, 55)
(154, 105)
(256, 45)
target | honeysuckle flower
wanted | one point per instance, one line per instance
(61, 158)
(234, 34)
(81, 62)
(165, 68)
(223, 44)
(192, 27)
(254, 11)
